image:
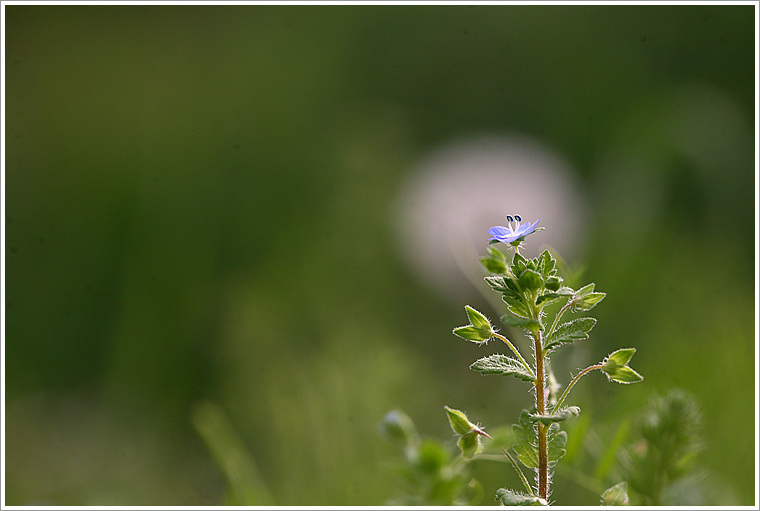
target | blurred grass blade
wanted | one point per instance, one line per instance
(607, 460)
(247, 488)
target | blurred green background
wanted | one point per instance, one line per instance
(204, 231)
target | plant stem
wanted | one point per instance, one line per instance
(559, 315)
(573, 382)
(514, 350)
(543, 465)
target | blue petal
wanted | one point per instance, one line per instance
(499, 230)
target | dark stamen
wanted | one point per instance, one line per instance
(509, 218)
(518, 218)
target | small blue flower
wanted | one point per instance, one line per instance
(514, 232)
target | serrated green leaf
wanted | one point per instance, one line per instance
(625, 375)
(513, 498)
(478, 320)
(470, 333)
(498, 283)
(557, 416)
(565, 291)
(546, 264)
(524, 433)
(530, 280)
(502, 364)
(556, 441)
(569, 332)
(616, 495)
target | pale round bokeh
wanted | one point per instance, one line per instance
(450, 199)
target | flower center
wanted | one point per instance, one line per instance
(514, 222)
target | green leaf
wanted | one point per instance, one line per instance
(625, 375)
(589, 301)
(498, 283)
(530, 280)
(459, 421)
(546, 265)
(513, 498)
(517, 321)
(620, 357)
(493, 266)
(470, 444)
(552, 283)
(502, 364)
(616, 495)
(565, 291)
(516, 305)
(495, 260)
(478, 320)
(556, 441)
(470, 333)
(495, 253)
(569, 332)
(616, 368)
(557, 416)
(585, 290)
(585, 299)
(524, 433)
(547, 297)
(519, 264)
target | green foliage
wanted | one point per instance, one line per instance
(556, 442)
(459, 421)
(512, 498)
(586, 299)
(566, 333)
(524, 433)
(495, 260)
(502, 364)
(470, 444)
(615, 366)
(516, 321)
(616, 495)
(479, 330)
(664, 449)
(557, 415)
(434, 476)
(246, 487)
(527, 286)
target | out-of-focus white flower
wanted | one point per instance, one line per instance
(457, 192)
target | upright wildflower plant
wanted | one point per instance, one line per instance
(527, 286)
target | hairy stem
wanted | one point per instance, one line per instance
(543, 465)
(573, 382)
(514, 350)
(556, 319)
